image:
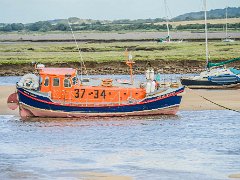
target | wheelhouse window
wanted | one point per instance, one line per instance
(74, 80)
(55, 81)
(46, 82)
(67, 83)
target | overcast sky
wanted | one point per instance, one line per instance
(26, 11)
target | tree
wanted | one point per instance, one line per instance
(61, 27)
(7, 28)
(40, 26)
(17, 26)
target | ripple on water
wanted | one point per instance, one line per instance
(192, 145)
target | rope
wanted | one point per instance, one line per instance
(224, 107)
(79, 51)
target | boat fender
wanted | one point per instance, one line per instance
(153, 86)
(147, 74)
(148, 87)
(29, 81)
(151, 74)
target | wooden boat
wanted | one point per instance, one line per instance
(58, 92)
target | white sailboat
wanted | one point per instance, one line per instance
(167, 39)
(227, 37)
(215, 76)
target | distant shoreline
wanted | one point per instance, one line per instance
(91, 37)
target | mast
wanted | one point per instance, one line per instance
(206, 32)
(166, 13)
(226, 22)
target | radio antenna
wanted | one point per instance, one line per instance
(79, 52)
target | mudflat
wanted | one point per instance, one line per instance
(112, 36)
(192, 100)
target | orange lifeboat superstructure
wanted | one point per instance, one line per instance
(64, 85)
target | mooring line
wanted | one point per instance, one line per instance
(227, 108)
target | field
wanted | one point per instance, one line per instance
(19, 53)
(211, 21)
(186, 57)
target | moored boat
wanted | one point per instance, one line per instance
(227, 37)
(216, 75)
(58, 92)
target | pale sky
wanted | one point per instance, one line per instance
(26, 11)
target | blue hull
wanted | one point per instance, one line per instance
(30, 99)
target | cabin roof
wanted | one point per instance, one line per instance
(57, 71)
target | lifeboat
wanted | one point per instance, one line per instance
(59, 92)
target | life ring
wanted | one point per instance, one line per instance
(29, 81)
(107, 82)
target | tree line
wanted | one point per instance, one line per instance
(235, 26)
(45, 26)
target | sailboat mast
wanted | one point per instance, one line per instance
(226, 22)
(165, 3)
(206, 32)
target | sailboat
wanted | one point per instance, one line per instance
(216, 75)
(167, 39)
(227, 37)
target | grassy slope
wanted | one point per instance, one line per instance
(106, 52)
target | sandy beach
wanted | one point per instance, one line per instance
(192, 100)
(5, 91)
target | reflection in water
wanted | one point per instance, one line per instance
(192, 145)
(96, 121)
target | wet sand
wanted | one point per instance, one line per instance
(5, 91)
(191, 100)
(234, 176)
(112, 36)
(229, 98)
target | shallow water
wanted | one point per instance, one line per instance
(191, 145)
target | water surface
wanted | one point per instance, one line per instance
(191, 145)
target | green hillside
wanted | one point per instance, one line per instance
(233, 12)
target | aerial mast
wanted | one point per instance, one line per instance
(79, 52)
(130, 63)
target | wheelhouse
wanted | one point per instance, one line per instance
(57, 78)
(62, 84)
